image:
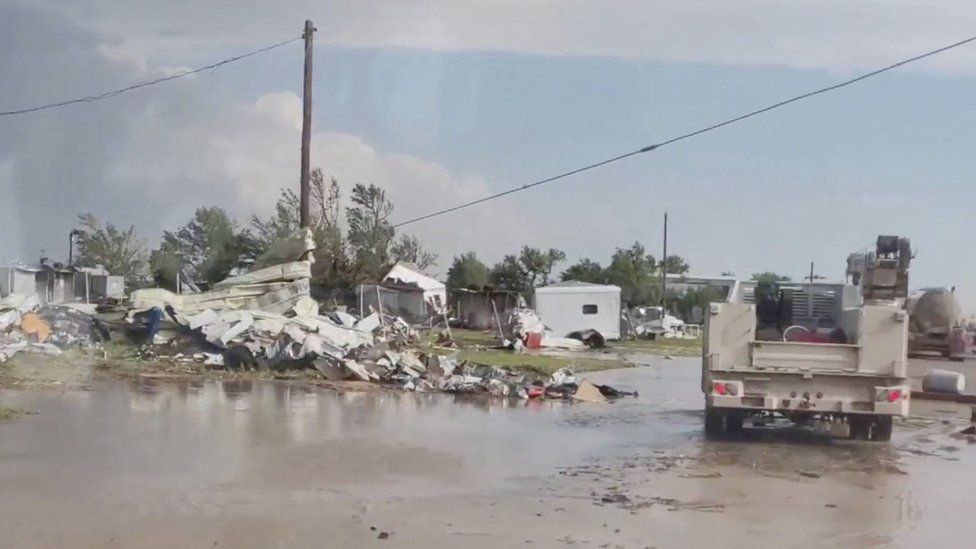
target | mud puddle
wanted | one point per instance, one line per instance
(148, 463)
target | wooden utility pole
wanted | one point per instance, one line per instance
(664, 268)
(305, 193)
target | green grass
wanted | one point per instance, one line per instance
(468, 338)
(673, 347)
(540, 363)
(7, 414)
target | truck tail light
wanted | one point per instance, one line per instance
(894, 395)
(724, 388)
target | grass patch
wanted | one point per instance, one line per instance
(467, 338)
(7, 414)
(539, 363)
(673, 347)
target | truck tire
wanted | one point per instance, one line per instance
(733, 422)
(881, 428)
(714, 422)
(859, 427)
(721, 422)
(877, 429)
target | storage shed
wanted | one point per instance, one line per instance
(570, 306)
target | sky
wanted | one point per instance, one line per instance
(444, 101)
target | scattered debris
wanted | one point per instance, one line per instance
(27, 326)
(587, 392)
(267, 319)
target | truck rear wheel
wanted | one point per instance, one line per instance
(714, 422)
(881, 428)
(719, 422)
(876, 429)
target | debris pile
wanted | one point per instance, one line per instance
(523, 328)
(28, 326)
(411, 371)
(267, 319)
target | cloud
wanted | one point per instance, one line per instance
(821, 34)
(150, 160)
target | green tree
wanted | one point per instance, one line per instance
(207, 248)
(508, 274)
(586, 270)
(676, 265)
(769, 277)
(121, 252)
(531, 268)
(467, 272)
(538, 264)
(370, 230)
(685, 304)
(634, 270)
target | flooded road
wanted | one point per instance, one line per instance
(261, 464)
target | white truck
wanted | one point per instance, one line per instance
(829, 352)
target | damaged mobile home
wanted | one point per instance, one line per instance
(405, 292)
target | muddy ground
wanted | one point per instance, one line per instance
(147, 462)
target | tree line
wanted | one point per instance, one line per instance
(633, 269)
(211, 245)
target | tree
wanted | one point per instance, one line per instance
(283, 224)
(467, 272)
(207, 248)
(538, 264)
(531, 268)
(675, 265)
(371, 235)
(370, 231)
(331, 262)
(586, 271)
(685, 304)
(769, 277)
(508, 274)
(408, 249)
(119, 251)
(635, 272)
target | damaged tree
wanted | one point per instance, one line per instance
(120, 251)
(208, 248)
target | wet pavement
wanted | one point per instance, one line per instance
(259, 464)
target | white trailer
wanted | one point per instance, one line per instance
(574, 306)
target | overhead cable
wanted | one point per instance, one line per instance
(174, 76)
(689, 134)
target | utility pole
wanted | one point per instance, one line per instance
(305, 193)
(71, 245)
(812, 276)
(664, 269)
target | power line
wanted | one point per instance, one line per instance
(691, 134)
(120, 91)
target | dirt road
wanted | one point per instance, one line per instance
(249, 464)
